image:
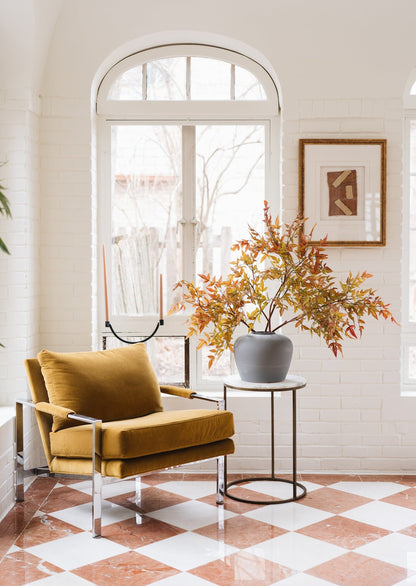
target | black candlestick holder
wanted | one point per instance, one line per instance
(159, 323)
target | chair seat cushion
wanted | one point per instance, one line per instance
(152, 434)
(108, 384)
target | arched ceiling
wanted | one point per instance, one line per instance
(26, 30)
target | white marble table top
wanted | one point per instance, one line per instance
(290, 382)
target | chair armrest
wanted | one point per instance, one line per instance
(51, 409)
(189, 394)
(63, 412)
(176, 391)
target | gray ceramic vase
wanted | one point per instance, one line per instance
(263, 357)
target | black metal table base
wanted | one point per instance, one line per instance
(290, 384)
(295, 497)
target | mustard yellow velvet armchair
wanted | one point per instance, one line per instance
(100, 414)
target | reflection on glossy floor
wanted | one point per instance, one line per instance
(348, 530)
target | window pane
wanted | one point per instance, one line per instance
(247, 86)
(230, 195)
(166, 79)
(146, 206)
(210, 79)
(229, 190)
(223, 366)
(166, 354)
(128, 86)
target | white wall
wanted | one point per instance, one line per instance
(341, 73)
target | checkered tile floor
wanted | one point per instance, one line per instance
(347, 531)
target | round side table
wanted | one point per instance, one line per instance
(291, 383)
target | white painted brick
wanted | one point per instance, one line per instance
(319, 427)
(321, 451)
(341, 415)
(360, 403)
(361, 427)
(320, 126)
(362, 125)
(361, 377)
(354, 452)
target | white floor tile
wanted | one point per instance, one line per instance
(80, 516)
(303, 580)
(184, 579)
(281, 490)
(384, 515)
(63, 579)
(192, 489)
(186, 551)
(75, 551)
(190, 515)
(396, 549)
(372, 490)
(296, 551)
(291, 516)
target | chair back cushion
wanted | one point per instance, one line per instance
(109, 384)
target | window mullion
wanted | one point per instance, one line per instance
(188, 202)
(144, 81)
(188, 78)
(232, 82)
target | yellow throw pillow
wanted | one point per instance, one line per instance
(109, 384)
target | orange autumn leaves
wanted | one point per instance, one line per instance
(278, 278)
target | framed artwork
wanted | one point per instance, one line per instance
(342, 190)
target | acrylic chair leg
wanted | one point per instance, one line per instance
(138, 495)
(97, 482)
(19, 472)
(220, 480)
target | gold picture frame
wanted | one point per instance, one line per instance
(342, 190)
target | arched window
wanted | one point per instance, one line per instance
(188, 142)
(409, 241)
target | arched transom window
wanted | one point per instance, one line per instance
(188, 142)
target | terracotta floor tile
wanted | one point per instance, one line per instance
(21, 567)
(241, 532)
(411, 531)
(40, 489)
(152, 499)
(129, 534)
(127, 569)
(406, 498)
(408, 480)
(64, 497)
(353, 569)
(43, 529)
(333, 500)
(17, 519)
(344, 532)
(242, 569)
(327, 479)
(385, 478)
(71, 481)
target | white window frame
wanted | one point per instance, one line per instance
(183, 113)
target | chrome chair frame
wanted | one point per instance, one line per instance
(20, 473)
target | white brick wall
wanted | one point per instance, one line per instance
(19, 272)
(348, 400)
(66, 224)
(351, 415)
